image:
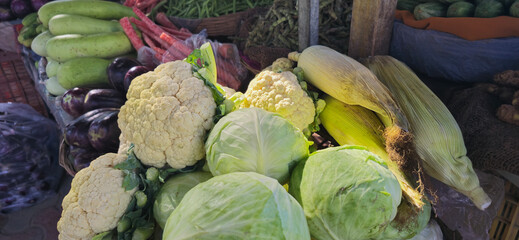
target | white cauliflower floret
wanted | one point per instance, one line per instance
(96, 200)
(167, 116)
(282, 94)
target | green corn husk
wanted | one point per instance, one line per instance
(437, 136)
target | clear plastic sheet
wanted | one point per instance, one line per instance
(231, 73)
(29, 169)
(458, 213)
(443, 55)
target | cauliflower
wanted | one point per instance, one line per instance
(167, 116)
(282, 94)
(96, 199)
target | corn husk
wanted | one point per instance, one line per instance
(437, 136)
(355, 125)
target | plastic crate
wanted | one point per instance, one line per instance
(16, 84)
(506, 224)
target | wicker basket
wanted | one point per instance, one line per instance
(63, 158)
(16, 85)
(506, 224)
(226, 25)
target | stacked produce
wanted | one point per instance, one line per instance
(31, 28)
(81, 39)
(205, 8)
(460, 8)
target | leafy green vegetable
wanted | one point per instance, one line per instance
(254, 140)
(237, 206)
(347, 192)
(172, 192)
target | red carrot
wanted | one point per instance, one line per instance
(149, 41)
(226, 50)
(132, 35)
(177, 33)
(227, 79)
(180, 46)
(163, 20)
(150, 24)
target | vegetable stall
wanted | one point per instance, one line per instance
(271, 119)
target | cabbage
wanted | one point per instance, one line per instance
(254, 140)
(408, 222)
(172, 192)
(236, 206)
(347, 192)
(431, 232)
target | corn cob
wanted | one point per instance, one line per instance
(437, 136)
(350, 82)
(355, 125)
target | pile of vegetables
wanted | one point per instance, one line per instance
(78, 42)
(278, 27)
(177, 118)
(506, 86)
(460, 8)
(206, 8)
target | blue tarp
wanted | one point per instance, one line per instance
(443, 55)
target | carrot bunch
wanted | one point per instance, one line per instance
(168, 42)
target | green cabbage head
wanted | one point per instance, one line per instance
(254, 140)
(409, 221)
(172, 192)
(347, 192)
(237, 206)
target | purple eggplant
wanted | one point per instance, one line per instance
(133, 73)
(103, 98)
(36, 4)
(5, 3)
(6, 14)
(104, 133)
(21, 8)
(117, 69)
(76, 132)
(73, 100)
(81, 158)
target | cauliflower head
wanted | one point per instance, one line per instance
(167, 116)
(96, 200)
(282, 94)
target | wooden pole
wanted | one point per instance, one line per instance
(371, 26)
(314, 22)
(303, 24)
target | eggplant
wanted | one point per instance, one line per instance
(5, 3)
(36, 4)
(73, 100)
(104, 133)
(117, 69)
(81, 158)
(76, 132)
(6, 14)
(21, 8)
(133, 73)
(103, 98)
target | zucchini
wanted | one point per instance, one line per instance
(39, 43)
(83, 72)
(53, 87)
(89, 8)
(75, 24)
(52, 67)
(103, 45)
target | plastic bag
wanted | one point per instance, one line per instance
(230, 72)
(442, 55)
(458, 213)
(29, 168)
